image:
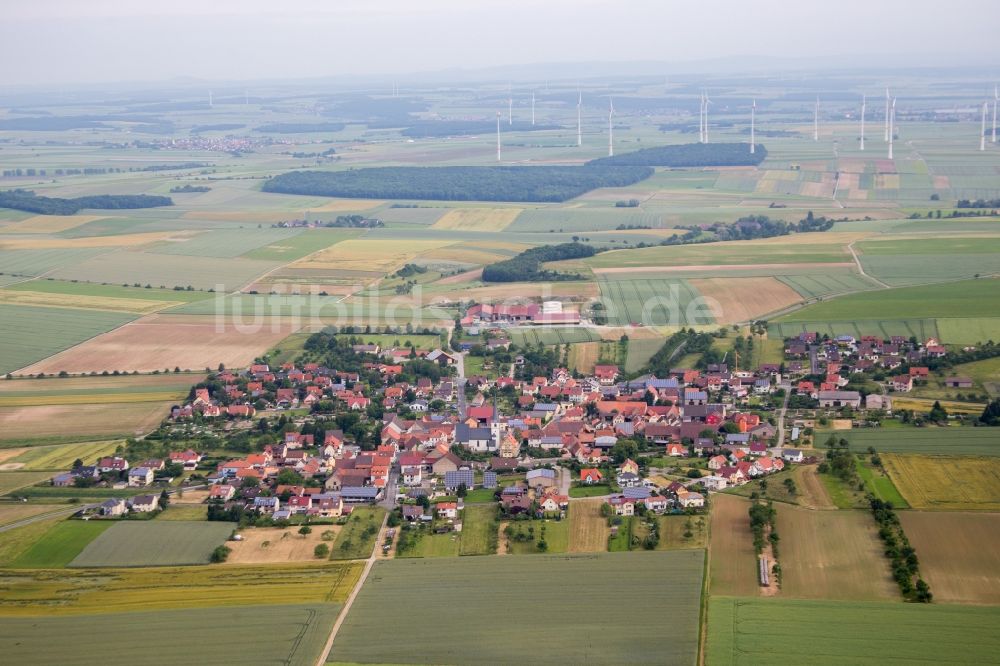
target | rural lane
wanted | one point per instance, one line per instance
(369, 563)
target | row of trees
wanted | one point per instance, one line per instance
(690, 155)
(749, 227)
(459, 183)
(29, 201)
(527, 266)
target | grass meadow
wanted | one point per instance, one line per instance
(150, 543)
(952, 440)
(60, 544)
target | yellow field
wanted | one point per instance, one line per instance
(137, 305)
(65, 421)
(958, 483)
(588, 529)
(90, 399)
(953, 407)
(743, 299)
(68, 591)
(583, 356)
(49, 224)
(11, 512)
(369, 255)
(733, 570)
(122, 240)
(60, 457)
(478, 219)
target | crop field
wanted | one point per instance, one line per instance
(552, 335)
(159, 342)
(744, 299)
(44, 299)
(166, 270)
(12, 512)
(60, 457)
(108, 291)
(55, 243)
(653, 302)
(29, 333)
(965, 483)
(806, 248)
(106, 388)
(60, 544)
(154, 543)
(466, 592)
(640, 350)
(15, 480)
(792, 632)
(901, 270)
(880, 484)
(301, 244)
(733, 560)
(50, 424)
(477, 219)
(356, 540)
(674, 528)
(975, 298)
(369, 255)
(588, 529)
(583, 219)
(49, 224)
(832, 555)
(251, 307)
(479, 530)
(959, 554)
(225, 243)
(555, 533)
(884, 328)
(84, 591)
(39, 262)
(928, 440)
(816, 286)
(295, 635)
(583, 356)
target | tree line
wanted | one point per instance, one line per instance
(298, 128)
(527, 266)
(690, 155)
(27, 200)
(748, 227)
(459, 183)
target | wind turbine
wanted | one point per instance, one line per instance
(707, 102)
(532, 108)
(701, 118)
(210, 104)
(753, 112)
(892, 123)
(579, 125)
(982, 130)
(996, 97)
(887, 115)
(510, 105)
(498, 136)
(816, 120)
(864, 103)
(611, 128)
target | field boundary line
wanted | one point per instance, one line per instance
(861, 269)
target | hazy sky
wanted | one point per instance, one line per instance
(59, 41)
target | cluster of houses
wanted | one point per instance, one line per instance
(549, 312)
(113, 471)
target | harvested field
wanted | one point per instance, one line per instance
(301, 245)
(295, 634)
(164, 341)
(588, 529)
(960, 483)
(368, 255)
(477, 219)
(44, 299)
(659, 583)
(745, 299)
(832, 555)
(959, 554)
(121, 240)
(154, 543)
(832, 633)
(166, 270)
(265, 545)
(49, 224)
(733, 560)
(812, 494)
(583, 356)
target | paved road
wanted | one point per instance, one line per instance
(369, 563)
(71, 509)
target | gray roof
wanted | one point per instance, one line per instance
(489, 479)
(458, 477)
(543, 472)
(464, 433)
(368, 492)
(639, 492)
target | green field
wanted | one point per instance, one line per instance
(108, 290)
(900, 270)
(39, 262)
(880, 485)
(922, 329)
(556, 536)
(562, 610)
(552, 335)
(651, 302)
(60, 457)
(356, 540)
(295, 635)
(819, 285)
(20, 481)
(225, 243)
(778, 631)
(714, 254)
(154, 543)
(479, 530)
(582, 219)
(640, 350)
(930, 439)
(299, 245)
(29, 334)
(60, 544)
(971, 298)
